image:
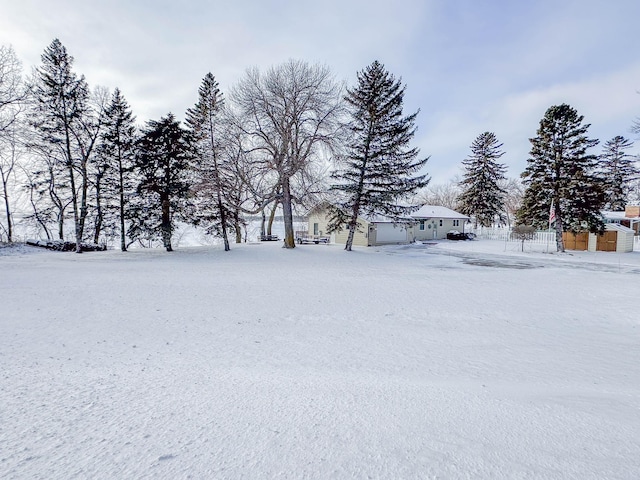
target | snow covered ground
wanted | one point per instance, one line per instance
(452, 360)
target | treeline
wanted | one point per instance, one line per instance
(84, 166)
(288, 138)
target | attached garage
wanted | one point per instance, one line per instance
(387, 233)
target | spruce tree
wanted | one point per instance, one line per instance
(164, 153)
(206, 123)
(64, 119)
(561, 174)
(618, 170)
(377, 173)
(482, 196)
(117, 157)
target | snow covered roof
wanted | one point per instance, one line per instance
(610, 215)
(619, 228)
(384, 219)
(436, 211)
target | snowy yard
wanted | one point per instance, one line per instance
(454, 360)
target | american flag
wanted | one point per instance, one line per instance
(552, 213)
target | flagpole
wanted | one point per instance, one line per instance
(552, 216)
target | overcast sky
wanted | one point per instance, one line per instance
(469, 65)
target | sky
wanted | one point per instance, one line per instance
(469, 66)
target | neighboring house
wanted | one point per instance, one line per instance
(629, 218)
(434, 222)
(428, 223)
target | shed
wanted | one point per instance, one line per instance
(616, 238)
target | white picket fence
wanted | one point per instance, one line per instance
(541, 237)
(504, 234)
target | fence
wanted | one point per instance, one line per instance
(504, 234)
(540, 238)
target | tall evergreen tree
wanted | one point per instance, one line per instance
(205, 121)
(117, 153)
(618, 170)
(482, 196)
(65, 120)
(378, 168)
(561, 174)
(164, 153)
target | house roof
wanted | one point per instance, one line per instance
(610, 215)
(436, 211)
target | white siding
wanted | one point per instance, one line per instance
(388, 233)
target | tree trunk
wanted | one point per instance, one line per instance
(262, 224)
(165, 227)
(287, 216)
(272, 216)
(123, 243)
(353, 225)
(559, 230)
(5, 192)
(96, 234)
(223, 222)
(61, 224)
(238, 229)
(83, 208)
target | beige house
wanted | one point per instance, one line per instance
(370, 232)
(428, 223)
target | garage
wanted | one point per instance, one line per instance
(387, 233)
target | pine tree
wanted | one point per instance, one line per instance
(164, 153)
(376, 175)
(64, 119)
(561, 174)
(482, 196)
(618, 170)
(117, 154)
(205, 121)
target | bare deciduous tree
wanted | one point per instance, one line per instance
(443, 194)
(289, 115)
(12, 101)
(12, 91)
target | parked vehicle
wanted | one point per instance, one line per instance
(456, 235)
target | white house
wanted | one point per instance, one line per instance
(433, 222)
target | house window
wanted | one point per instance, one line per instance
(421, 224)
(315, 229)
(440, 222)
(456, 223)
